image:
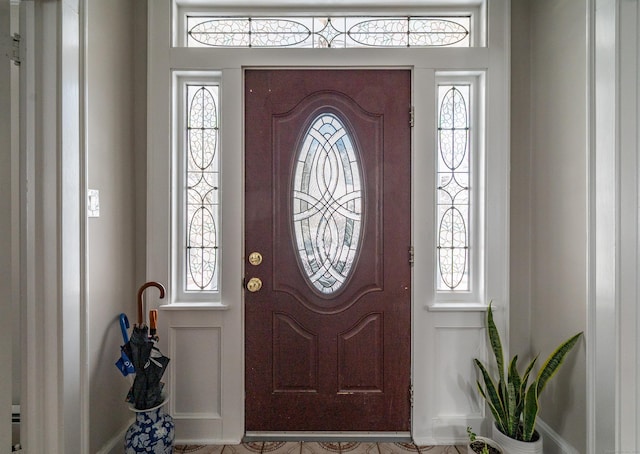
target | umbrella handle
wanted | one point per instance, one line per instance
(157, 285)
(124, 325)
(153, 322)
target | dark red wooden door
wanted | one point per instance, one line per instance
(327, 336)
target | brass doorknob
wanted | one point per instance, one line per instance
(254, 284)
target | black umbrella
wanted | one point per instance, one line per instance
(149, 363)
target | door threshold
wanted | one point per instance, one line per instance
(384, 437)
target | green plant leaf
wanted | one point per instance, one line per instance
(504, 398)
(512, 418)
(525, 377)
(530, 412)
(494, 410)
(514, 376)
(471, 434)
(554, 361)
(492, 397)
(496, 344)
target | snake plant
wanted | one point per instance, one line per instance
(513, 403)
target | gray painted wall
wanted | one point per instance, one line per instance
(116, 131)
(550, 94)
(520, 254)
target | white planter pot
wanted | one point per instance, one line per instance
(511, 446)
(488, 441)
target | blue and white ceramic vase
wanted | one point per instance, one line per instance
(151, 432)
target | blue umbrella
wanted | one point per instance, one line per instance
(124, 364)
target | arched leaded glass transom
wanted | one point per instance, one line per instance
(202, 191)
(453, 188)
(327, 203)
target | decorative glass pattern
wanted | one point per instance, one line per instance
(202, 188)
(453, 201)
(323, 32)
(327, 204)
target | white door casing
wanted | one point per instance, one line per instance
(6, 229)
(208, 407)
(54, 392)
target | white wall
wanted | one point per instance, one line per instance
(556, 241)
(114, 139)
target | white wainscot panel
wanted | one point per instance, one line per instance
(455, 394)
(195, 388)
(454, 350)
(205, 373)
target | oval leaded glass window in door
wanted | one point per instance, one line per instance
(327, 204)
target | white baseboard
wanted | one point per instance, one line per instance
(116, 444)
(553, 442)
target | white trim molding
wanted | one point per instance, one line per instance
(7, 222)
(54, 387)
(613, 340)
(439, 415)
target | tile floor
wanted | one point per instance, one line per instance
(295, 447)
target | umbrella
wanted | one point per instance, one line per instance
(124, 363)
(149, 363)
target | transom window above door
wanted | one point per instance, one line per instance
(328, 31)
(244, 24)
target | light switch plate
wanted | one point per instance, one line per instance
(93, 205)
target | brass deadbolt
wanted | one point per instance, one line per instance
(255, 258)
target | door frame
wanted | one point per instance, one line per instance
(7, 223)
(437, 418)
(55, 379)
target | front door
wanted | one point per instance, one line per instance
(327, 275)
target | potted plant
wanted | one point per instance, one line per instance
(513, 402)
(481, 445)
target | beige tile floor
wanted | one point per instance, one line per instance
(295, 447)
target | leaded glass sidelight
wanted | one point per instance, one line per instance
(325, 32)
(201, 189)
(453, 188)
(327, 203)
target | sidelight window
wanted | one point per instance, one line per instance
(458, 228)
(197, 198)
(453, 187)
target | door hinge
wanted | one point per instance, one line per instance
(411, 116)
(411, 395)
(411, 255)
(12, 48)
